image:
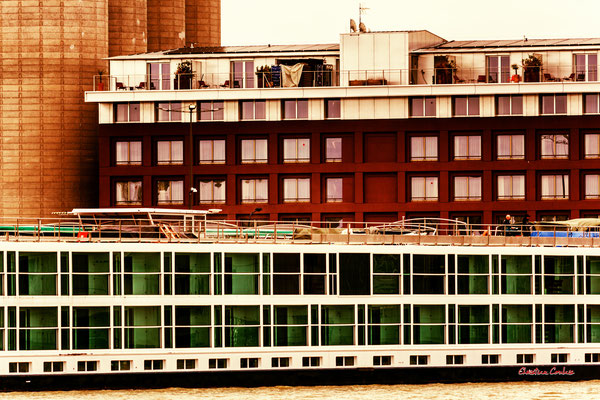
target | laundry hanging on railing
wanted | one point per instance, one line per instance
(291, 75)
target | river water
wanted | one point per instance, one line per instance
(462, 391)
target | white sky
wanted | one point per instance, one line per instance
(247, 22)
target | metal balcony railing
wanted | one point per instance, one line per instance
(346, 78)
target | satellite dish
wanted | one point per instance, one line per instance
(352, 26)
(362, 27)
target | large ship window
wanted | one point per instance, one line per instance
(142, 327)
(337, 325)
(384, 324)
(559, 323)
(315, 270)
(473, 274)
(473, 324)
(37, 274)
(592, 279)
(516, 274)
(291, 325)
(286, 273)
(428, 274)
(90, 274)
(192, 326)
(192, 273)
(429, 324)
(559, 274)
(142, 273)
(517, 324)
(38, 328)
(91, 328)
(355, 274)
(386, 274)
(241, 273)
(242, 325)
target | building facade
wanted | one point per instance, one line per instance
(48, 51)
(380, 127)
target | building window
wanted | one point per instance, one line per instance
(592, 145)
(379, 361)
(592, 186)
(127, 112)
(249, 363)
(553, 104)
(87, 366)
(128, 193)
(254, 151)
(498, 69)
(296, 190)
(586, 67)
(423, 148)
(333, 109)
(467, 188)
(153, 365)
(295, 109)
(255, 190)
(212, 152)
(217, 363)
(253, 109)
(120, 365)
(509, 104)
(525, 358)
(467, 147)
(170, 192)
(455, 360)
(590, 103)
(465, 105)
(242, 73)
(54, 366)
(419, 360)
(554, 146)
(128, 153)
(422, 106)
(212, 191)
(160, 76)
(334, 190)
(333, 149)
(511, 147)
(280, 362)
(311, 361)
(189, 363)
(490, 358)
(169, 152)
(424, 188)
(169, 111)
(555, 187)
(511, 187)
(211, 111)
(296, 150)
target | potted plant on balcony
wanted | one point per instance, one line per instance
(445, 69)
(100, 84)
(516, 78)
(532, 68)
(183, 75)
(264, 76)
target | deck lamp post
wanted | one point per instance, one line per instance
(191, 161)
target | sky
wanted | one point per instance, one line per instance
(248, 22)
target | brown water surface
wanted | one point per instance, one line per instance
(464, 391)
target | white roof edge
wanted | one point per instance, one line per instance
(141, 210)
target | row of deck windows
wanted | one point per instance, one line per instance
(48, 274)
(198, 326)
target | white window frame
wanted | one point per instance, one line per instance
(512, 195)
(430, 186)
(249, 190)
(512, 139)
(129, 109)
(292, 149)
(210, 143)
(130, 152)
(504, 76)
(591, 149)
(331, 185)
(473, 185)
(217, 190)
(550, 185)
(253, 145)
(333, 141)
(173, 146)
(215, 110)
(174, 188)
(424, 143)
(292, 188)
(473, 141)
(554, 96)
(166, 109)
(421, 112)
(296, 103)
(558, 142)
(133, 195)
(589, 70)
(511, 98)
(253, 102)
(469, 112)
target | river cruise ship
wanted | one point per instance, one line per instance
(156, 297)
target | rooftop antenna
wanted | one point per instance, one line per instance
(361, 10)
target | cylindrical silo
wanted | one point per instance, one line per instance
(127, 26)
(49, 52)
(166, 24)
(203, 22)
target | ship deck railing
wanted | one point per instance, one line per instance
(197, 228)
